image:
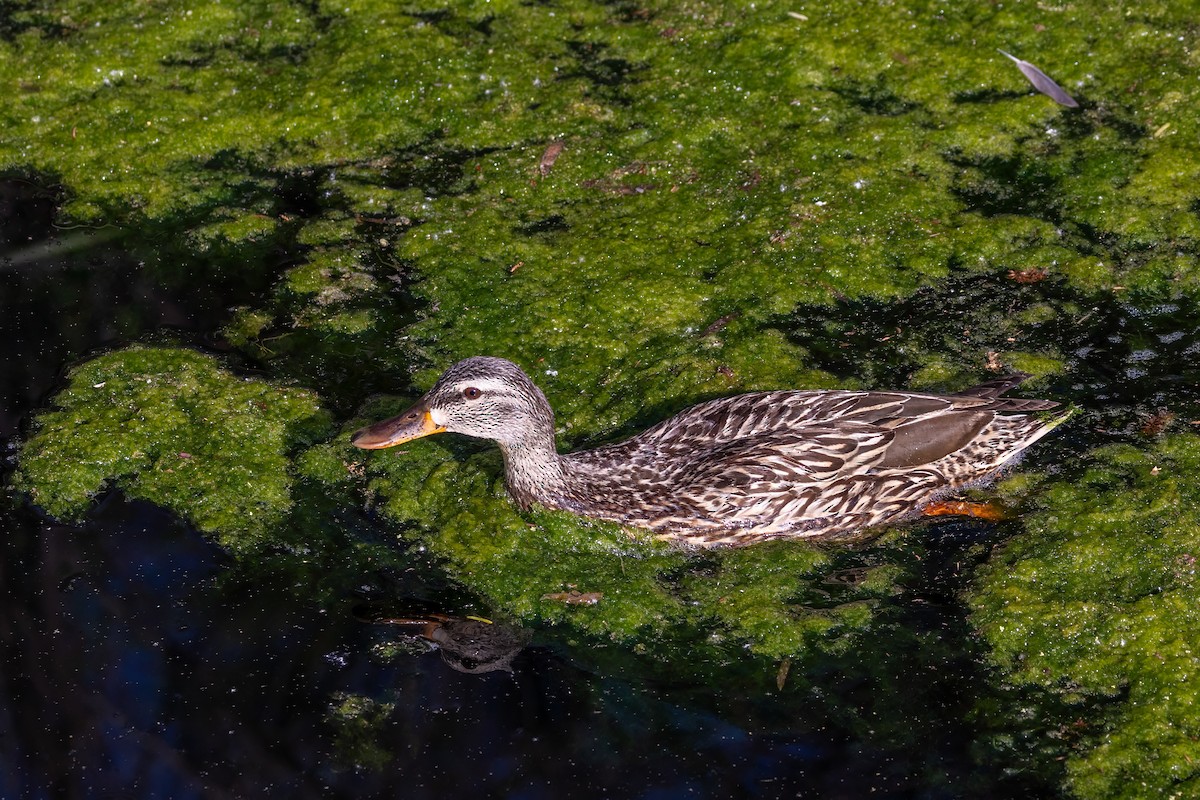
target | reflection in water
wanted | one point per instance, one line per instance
(472, 645)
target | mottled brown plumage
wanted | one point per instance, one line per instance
(740, 469)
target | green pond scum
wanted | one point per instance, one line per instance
(1096, 602)
(170, 426)
(647, 205)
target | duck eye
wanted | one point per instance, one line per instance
(471, 393)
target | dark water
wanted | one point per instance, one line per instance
(131, 668)
(138, 661)
(67, 292)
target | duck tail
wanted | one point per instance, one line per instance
(993, 389)
(1029, 430)
(990, 390)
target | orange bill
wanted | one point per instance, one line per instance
(412, 424)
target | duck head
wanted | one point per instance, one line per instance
(484, 397)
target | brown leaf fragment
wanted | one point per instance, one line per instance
(781, 676)
(1156, 423)
(1031, 275)
(719, 325)
(575, 597)
(549, 156)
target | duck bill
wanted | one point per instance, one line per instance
(412, 424)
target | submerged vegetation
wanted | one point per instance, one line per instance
(646, 206)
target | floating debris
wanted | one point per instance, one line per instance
(781, 676)
(549, 156)
(575, 597)
(1156, 423)
(1043, 82)
(719, 324)
(473, 645)
(1030, 275)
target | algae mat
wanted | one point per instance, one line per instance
(648, 205)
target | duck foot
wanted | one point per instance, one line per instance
(991, 512)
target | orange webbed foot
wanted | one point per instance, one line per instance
(991, 512)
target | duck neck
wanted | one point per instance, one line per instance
(534, 470)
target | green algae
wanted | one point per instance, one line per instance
(757, 595)
(171, 426)
(745, 199)
(715, 163)
(1096, 604)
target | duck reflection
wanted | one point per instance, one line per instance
(473, 645)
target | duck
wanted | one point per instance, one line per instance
(814, 464)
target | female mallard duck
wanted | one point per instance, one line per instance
(740, 469)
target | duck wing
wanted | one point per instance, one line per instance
(803, 480)
(817, 453)
(746, 416)
(810, 454)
